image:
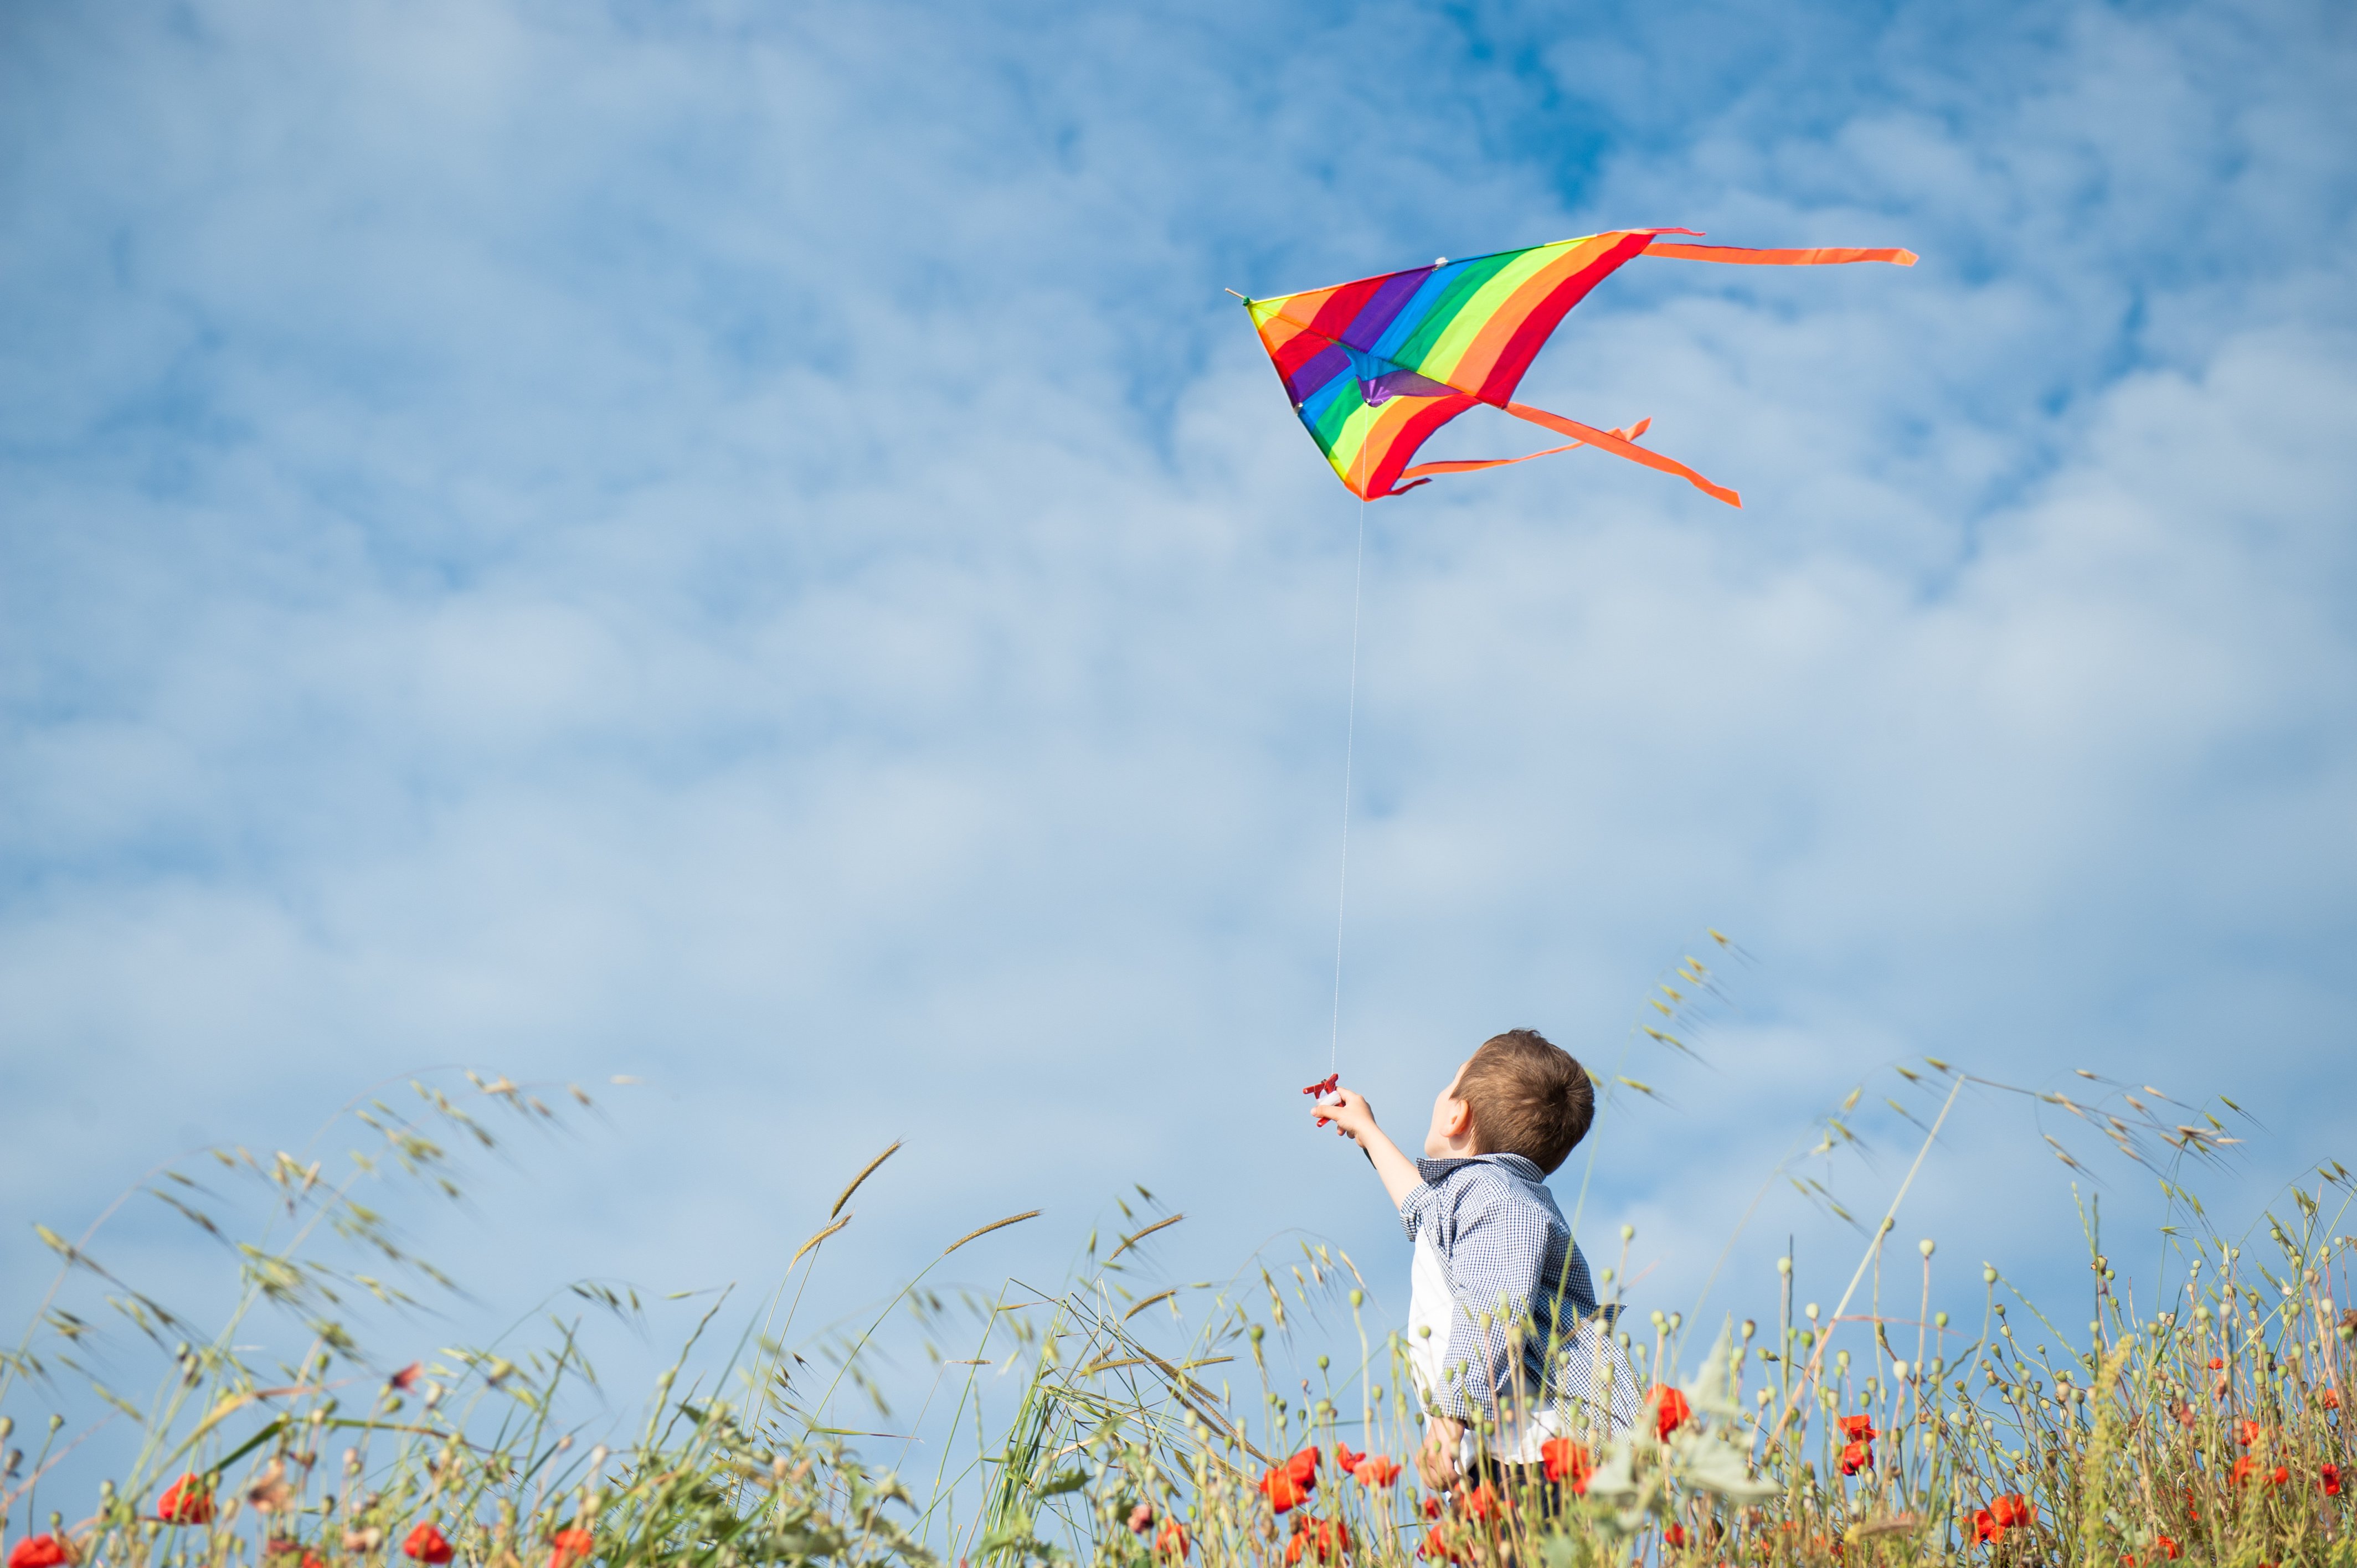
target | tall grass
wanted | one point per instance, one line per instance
(2202, 1425)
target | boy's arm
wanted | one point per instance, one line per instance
(1356, 1118)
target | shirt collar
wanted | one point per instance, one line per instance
(1513, 1165)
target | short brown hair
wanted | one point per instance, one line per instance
(1528, 1097)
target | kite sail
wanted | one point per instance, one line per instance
(1374, 368)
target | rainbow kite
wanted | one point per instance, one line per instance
(1375, 366)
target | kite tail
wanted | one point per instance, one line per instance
(1421, 471)
(1585, 434)
(1823, 257)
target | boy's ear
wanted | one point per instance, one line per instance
(1458, 1120)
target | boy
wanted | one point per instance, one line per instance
(1502, 1321)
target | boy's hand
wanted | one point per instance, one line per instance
(1436, 1462)
(1351, 1115)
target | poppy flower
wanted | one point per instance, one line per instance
(1172, 1540)
(2330, 1399)
(1673, 1535)
(402, 1379)
(2246, 1433)
(1858, 1428)
(1345, 1460)
(1857, 1457)
(570, 1546)
(2012, 1511)
(1669, 1409)
(1985, 1526)
(2217, 1363)
(1437, 1547)
(2168, 1548)
(1378, 1471)
(1326, 1540)
(1482, 1503)
(38, 1551)
(1567, 1461)
(2328, 1477)
(187, 1501)
(1432, 1508)
(1303, 1467)
(426, 1543)
(1282, 1490)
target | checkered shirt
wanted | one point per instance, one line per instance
(1511, 1259)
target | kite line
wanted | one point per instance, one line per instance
(1349, 750)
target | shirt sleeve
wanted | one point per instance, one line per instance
(1494, 1267)
(1417, 1208)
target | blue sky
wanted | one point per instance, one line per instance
(745, 546)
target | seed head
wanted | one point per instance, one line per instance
(1924, 1246)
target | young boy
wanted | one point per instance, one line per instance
(1502, 1321)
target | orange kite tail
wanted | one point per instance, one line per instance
(1471, 465)
(1827, 256)
(1589, 436)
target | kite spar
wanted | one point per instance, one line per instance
(1375, 368)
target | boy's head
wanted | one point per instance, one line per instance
(1518, 1094)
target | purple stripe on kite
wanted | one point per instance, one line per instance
(1323, 367)
(1366, 328)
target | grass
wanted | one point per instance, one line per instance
(2201, 1426)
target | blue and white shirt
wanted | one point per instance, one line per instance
(1492, 1251)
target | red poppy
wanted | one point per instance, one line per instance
(1567, 1461)
(1303, 1467)
(1282, 1491)
(426, 1543)
(287, 1546)
(1432, 1508)
(1673, 1535)
(1437, 1547)
(2246, 1433)
(2328, 1476)
(2217, 1363)
(1856, 1457)
(1172, 1540)
(407, 1376)
(38, 1551)
(2012, 1511)
(1858, 1428)
(2168, 1548)
(2330, 1399)
(1326, 1540)
(1345, 1460)
(1377, 1470)
(1482, 1502)
(189, 1500)
(1985, 1526)
(1669, 1409)
(570, 1546)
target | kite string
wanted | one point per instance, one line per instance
(1349, 746)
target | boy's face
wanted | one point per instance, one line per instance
(1451, 1133)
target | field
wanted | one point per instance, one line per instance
(2203, 1425)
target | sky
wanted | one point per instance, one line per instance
(744, 546)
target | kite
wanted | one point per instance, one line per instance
(1376, 367)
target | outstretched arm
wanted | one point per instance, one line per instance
(1356, 1118)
